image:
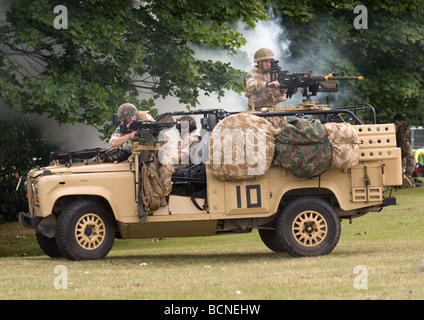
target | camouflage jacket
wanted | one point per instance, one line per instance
(117, 134)
(187, 147)
(258, 95)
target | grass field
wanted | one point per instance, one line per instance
(379, 256)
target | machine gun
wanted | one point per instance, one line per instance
(147, 131)
(309, 82)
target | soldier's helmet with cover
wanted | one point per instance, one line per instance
(263, 54)
(126, 110)
(191, 123)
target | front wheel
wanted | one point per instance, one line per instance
(308, 226)
(48, 245)
(85, 231)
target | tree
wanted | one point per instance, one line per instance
(21, 149)
(80, 63)
(389, 53)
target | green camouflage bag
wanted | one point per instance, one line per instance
(302, 147)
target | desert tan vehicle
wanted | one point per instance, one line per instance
(78, 208)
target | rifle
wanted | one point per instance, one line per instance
(147, 131)
(210, 116)
(310, 83)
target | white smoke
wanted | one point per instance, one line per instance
(266, 34)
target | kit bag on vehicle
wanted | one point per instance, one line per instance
(151, 188)
(344, 141)
(241, 147)
(302, 147)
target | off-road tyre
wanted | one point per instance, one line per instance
(270, 239)
(48, 245)
(85, 231)
(308, 226)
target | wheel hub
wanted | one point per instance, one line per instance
(90, 231)
(309, 228)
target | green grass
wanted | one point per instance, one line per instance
(388, 244)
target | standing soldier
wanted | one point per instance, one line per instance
(262, 94)
(402, 140)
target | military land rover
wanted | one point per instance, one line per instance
(78, 208)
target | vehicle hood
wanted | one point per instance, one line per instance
(79, 168)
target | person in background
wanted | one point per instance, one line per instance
(187, 126)
(402, 139)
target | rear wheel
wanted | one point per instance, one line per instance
(308, 227)
(270, 239)
(85, 231)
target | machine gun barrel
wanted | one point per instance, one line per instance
(332, 76)
(309, 82)
(347, 78)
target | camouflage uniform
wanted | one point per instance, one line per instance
(402, 140)
(186, 125)
(125, 111)
(187, 146)
(117, 134)
(261, 97)
(258, 94)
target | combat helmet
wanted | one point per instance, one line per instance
(191, 122)
(263, 54)
(126, 110)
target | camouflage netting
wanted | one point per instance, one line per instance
(242, 147)
(344, 143)
(302, 147)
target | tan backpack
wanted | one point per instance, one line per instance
(151, 189)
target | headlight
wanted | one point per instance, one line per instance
(34, 190)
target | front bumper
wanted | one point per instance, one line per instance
(27, 220)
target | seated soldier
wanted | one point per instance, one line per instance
(127, 113)
(187, 126)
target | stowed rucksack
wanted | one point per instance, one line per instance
(241, 147)
(302, 147)
(151, 189)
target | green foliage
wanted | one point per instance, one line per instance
(21, 148)
(113, 51)
(389, 54)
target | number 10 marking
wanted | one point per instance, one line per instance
(249, 188)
